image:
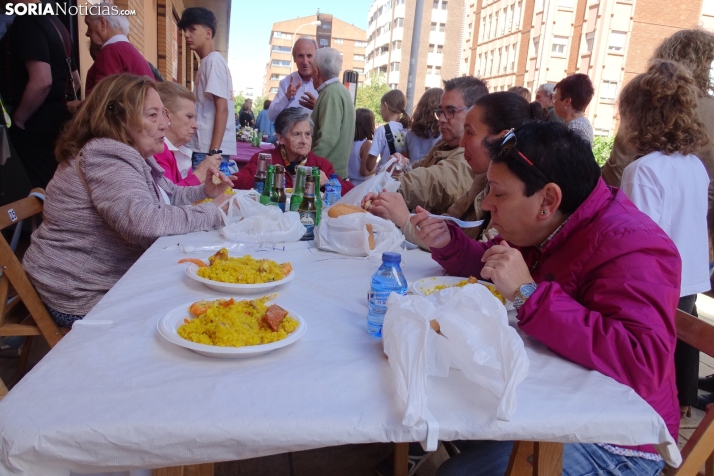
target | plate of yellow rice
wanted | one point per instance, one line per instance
(243, 275)
(426, 286)
(229, 331)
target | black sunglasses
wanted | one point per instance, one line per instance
(508, 148)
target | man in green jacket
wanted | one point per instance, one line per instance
(334, 112)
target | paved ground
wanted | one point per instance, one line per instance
(349, 460)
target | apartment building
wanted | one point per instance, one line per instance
(531, 42)
(389, 39)
(332, 32)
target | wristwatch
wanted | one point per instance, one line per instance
(523, 293)
(215, 151)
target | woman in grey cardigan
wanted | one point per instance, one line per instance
(109, 200)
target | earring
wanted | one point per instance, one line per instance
(543, 212)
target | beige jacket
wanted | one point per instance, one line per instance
(438, 180)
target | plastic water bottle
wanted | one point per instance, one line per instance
(388, 279)
(333, 190)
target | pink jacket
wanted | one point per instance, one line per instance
(167, 161)
(608, 287)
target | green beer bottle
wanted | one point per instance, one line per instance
(318, 198)
(280, 186)
(269, 197)
(298, 190)
(308, 210)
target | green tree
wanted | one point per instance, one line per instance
(258, 104)
(602, 146)
(369, 94)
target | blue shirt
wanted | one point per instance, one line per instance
(264, 124)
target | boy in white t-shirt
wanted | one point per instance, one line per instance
(213, 88)
(392, 111)
(670, 185)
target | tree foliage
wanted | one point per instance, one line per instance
(257, 104)
(369, 94)
(602, 146)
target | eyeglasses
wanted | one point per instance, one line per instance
(508, 148)
(449, 112)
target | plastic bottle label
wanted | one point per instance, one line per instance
(259, 186)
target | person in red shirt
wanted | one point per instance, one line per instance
(117, 55)
(293, 127)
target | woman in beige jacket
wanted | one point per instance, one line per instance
(109, 200)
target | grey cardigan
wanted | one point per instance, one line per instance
(93, 232)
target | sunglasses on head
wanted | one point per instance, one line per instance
(508, 149)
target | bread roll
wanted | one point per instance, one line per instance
(340, 209)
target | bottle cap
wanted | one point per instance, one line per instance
(334, 176)
(391, 257)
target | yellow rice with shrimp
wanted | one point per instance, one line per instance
(243, 270)
(463, 283)
(230, 323)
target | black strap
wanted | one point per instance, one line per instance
(390, 139)
(69, 84)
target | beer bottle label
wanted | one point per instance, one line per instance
(308, 221)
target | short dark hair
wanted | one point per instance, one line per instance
(267, 103)
(198, 16)
(561, 154)
(471, 88)
(578, 88)
(364, 124)
(504, 110)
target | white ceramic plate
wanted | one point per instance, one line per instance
(425, 286)
(170, 322)
(192, 272)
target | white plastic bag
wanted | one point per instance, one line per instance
(376, 183)
(476, 339)
(348, 234)
(250, 221)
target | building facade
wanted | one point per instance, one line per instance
(332, 32)
(531, 42)
(389, 39)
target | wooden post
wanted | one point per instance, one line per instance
(401, 459)
(190, 470)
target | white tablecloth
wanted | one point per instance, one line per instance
(114, 395)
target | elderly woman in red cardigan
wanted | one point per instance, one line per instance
(293, 127)
(175, 159)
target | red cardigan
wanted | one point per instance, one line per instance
(244, 178)
(167, 161)
(116, 58)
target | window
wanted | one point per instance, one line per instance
(608, 91)
(360, 44)
(432, 48)
(517, 17)
(282, 35)
(358, 70)
(433, 26)
(708, 7)
(495, 24)
(437, 70)
(490, 64)
(394, 66)
(444, 5)
(617, 41)
(488, 31)
(500, 57)
(559, 45)
(436, 5)
(338, 41)
(326, 26)
(507, 52)
(396, 44)
(483, 30)
(504, 17)
(442, 27)
(510, 19)
(536, 42)
(282, 63)
(273, 90)
(601, 132)
(281, 49)
(323, 42)
(358, 57)
(393, 85)
(439, 49)
(589, 41)
(399, 23)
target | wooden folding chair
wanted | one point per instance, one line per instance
(697, 452)
(38, 322)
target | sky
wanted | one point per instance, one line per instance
(251, 23)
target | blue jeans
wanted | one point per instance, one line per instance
(490, 458)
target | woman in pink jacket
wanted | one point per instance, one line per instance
(591, 277)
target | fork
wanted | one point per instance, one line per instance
(461, 223)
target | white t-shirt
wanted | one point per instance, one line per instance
(673, 190)
(213, 77)
(380, 147)
(282, 101)
(354, 163)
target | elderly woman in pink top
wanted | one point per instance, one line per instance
(176, 157)
(591, 277)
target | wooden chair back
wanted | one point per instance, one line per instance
(13, 274)
(697, 452)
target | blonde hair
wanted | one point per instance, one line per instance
(115, 104)
(659, 108)
(396, 101)
(171, 92)
(694, 49)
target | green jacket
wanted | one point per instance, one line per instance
(334, 118)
